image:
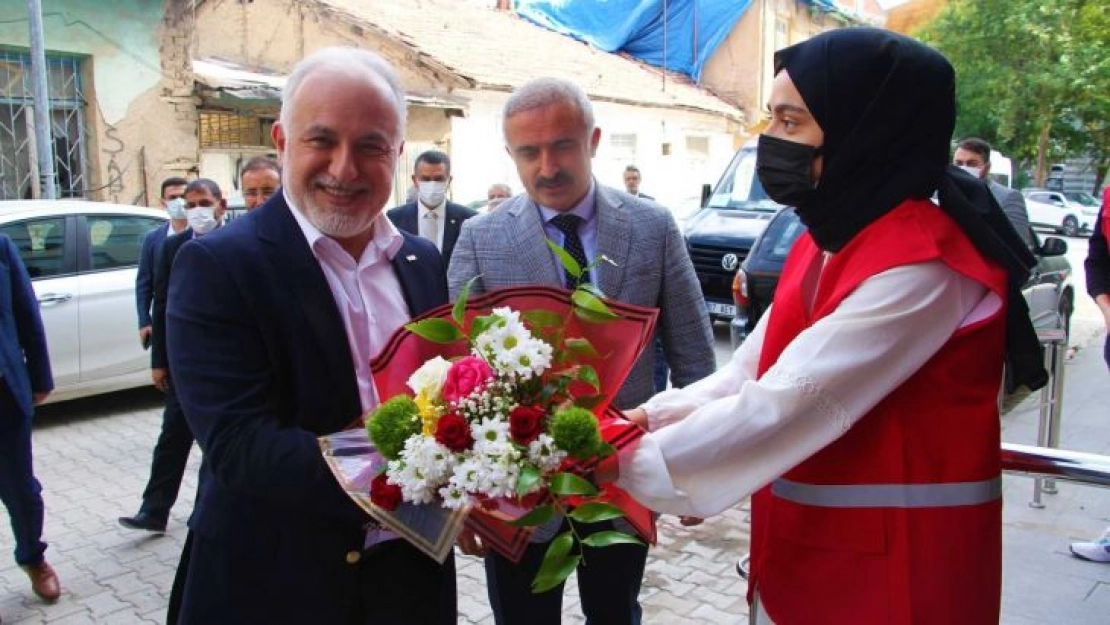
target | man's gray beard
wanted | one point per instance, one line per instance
(337, 225)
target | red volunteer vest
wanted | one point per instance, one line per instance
(912, 530)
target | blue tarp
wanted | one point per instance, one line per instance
(694, 28)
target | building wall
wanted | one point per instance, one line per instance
(275, 34)
(742, 68)
(134, 135)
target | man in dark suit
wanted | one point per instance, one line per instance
(25, 381)
(973, 155)
(550, 135)
(204, 211)
(272, 350)
(431, 215)
(173, 200)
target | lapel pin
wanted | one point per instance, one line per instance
(411, 257)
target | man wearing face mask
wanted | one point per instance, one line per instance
(973, 155)
(204, 212)
(173, 200)
(431, 215)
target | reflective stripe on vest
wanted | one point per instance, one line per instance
(889, 495)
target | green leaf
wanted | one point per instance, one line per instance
(557, 565)
(590, 307)
(537, 516)
(569, 264)
(588, 374)
(592, 288)
(571, 484)
(529, 475)
(595, 511)
(435, 330)
(582, 347)
(543, 318)
(481, 324)
(458, 311)
(604, 539)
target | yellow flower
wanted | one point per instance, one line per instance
(429, 413)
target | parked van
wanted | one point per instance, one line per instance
(719, 236)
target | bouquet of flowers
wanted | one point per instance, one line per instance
(501, 419)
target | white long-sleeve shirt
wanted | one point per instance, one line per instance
(718, 440)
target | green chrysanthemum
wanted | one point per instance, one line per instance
(575, 431)
(392, 423)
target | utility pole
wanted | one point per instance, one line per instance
(44, 142)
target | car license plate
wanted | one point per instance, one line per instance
(722, 310)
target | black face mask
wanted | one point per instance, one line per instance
(786, 170)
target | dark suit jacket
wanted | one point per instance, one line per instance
(166, 253)
(262, 367)
(405, 217)
(144, 280)
(24, 361)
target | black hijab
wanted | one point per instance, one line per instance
(886, 105)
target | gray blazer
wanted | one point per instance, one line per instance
(1013, 204)
(506, 248)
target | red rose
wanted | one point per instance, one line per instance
(466, 376)
(383, 494)
(526, 423)
(453, 432)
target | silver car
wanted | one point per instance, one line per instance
(83, 257)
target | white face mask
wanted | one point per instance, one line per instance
(176, 208)
(202, 219)
(974, 171)
(431, 192)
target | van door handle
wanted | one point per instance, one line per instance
(53, 299)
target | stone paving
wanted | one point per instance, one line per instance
(92, 457)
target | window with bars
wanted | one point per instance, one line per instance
(18, 151)
(225, 129)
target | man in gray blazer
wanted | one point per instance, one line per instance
(973, 155)
(550, 135)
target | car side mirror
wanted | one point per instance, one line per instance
(1054, 246)
(706, 191)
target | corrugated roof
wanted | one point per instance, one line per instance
(496, 50)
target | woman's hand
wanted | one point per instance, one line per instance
(637, 416)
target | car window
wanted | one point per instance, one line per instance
(1084, 199)
(40, 243)
(1038, 197)
(115, 241)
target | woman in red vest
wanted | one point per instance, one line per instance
(863, 408)
(1097, 268)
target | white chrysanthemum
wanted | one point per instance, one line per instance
(467, 474)
(499, 468)
(489, 431)
(453, 496)
(543, 453)
(531, 357)
(430, 377)
(424, 465)
(414, 487)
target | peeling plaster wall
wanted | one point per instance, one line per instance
(275, 34)
(134, 137)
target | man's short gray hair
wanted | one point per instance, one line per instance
(345, 60)
(543, 92)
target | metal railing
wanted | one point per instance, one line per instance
(1061, 464)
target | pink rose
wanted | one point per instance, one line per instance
(466, 376)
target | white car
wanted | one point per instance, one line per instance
(1069, 214)
(83, 257)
